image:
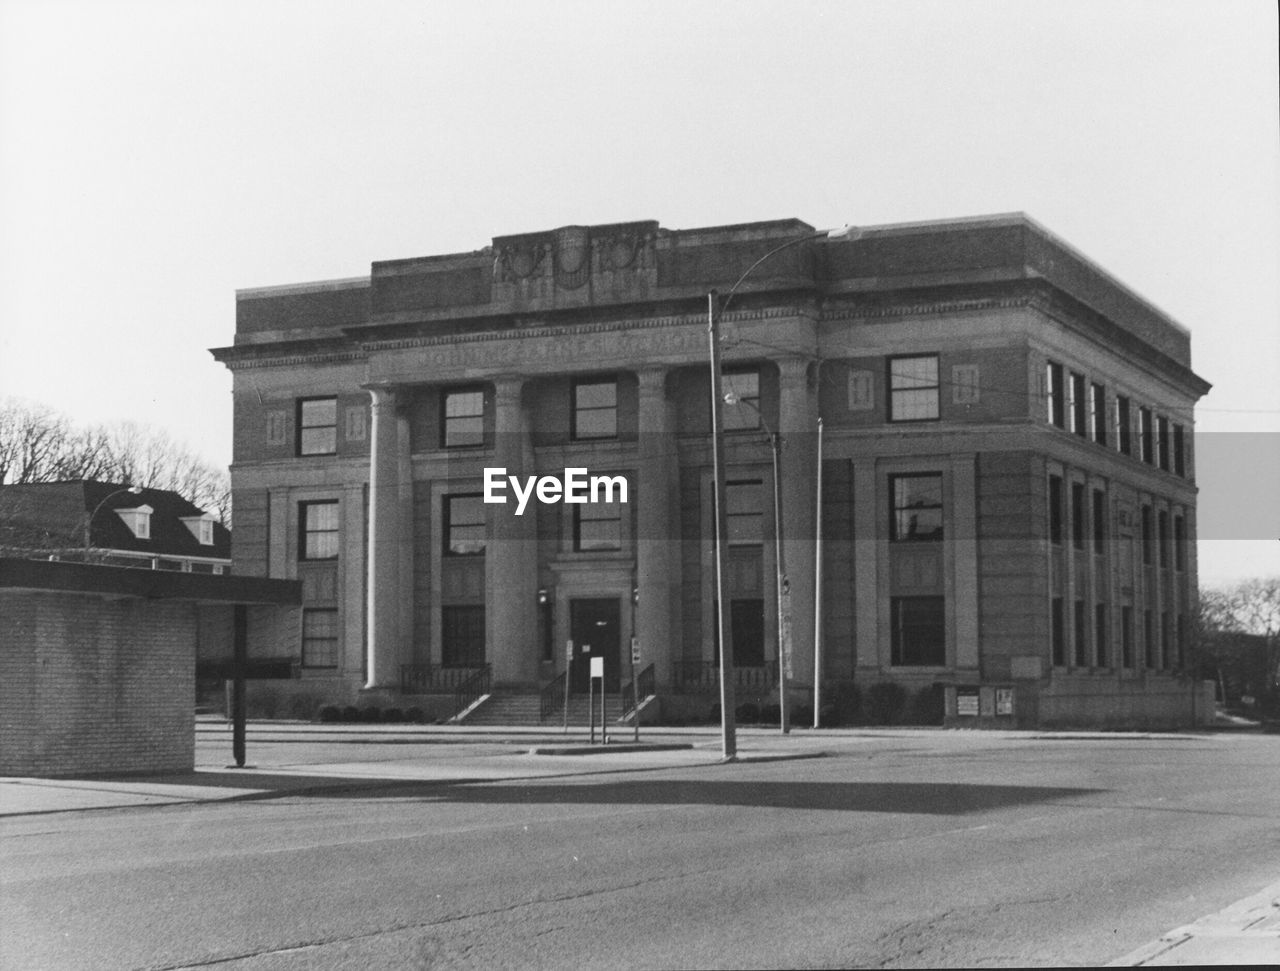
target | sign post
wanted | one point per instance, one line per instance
(568, 676)
(635, 685)
(597, 671)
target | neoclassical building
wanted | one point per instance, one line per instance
(1004, 434)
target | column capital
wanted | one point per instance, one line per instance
(652, 380)
(507, 389)
(793, 369)
(382, 395)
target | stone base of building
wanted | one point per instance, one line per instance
(1082, 703)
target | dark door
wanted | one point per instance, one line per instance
(594, 628)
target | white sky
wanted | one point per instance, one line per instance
(156, 155)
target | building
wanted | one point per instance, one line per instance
(112, 524)
(1008, 497)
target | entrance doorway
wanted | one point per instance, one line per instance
(594, 626)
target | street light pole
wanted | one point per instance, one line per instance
(723, 625)
(88, 523)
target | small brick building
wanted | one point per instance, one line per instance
(97, 664)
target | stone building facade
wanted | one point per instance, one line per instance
(1007, 471)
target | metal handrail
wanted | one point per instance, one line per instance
(551, 696)
(423, 678)
(645, 686)
(697, 676)
(474, 687)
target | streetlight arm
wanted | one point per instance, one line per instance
(842, 233)
(88, 523)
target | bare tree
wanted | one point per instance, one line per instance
(1240, 634)
(38, 444)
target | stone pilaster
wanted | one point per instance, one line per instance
(511, 560)
(798, 424)
(657, 559)
(384, 593)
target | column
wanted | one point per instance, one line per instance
(383, 595)
(657, 556)
(868, 526)
(511, 553)
(963, 586)
(798, 426)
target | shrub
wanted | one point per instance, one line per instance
(330, 713)
(771, 715)
(393, 715)
(748, 713)
(351, 714)
(885, 703)
(843, 705)
(714, 715)
(801, 715)
(928, 707)
(302, 706)
(416, 715)
(371, 714)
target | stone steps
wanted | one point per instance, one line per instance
(523, 709)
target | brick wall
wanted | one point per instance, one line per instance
(92, 685)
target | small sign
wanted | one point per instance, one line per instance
(1004, 701)
(967, 704)
(568, 650)
(635, 650)
(597, 667)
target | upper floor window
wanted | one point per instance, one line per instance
(1055, 509)
(1055, 394)
(318, 426)
(318, 530)
(138, 520)
(1099, 522)
(462, 416)
(1124, 428)
(1179, 543)
(918, 631)
(1079, 405)
(744, 511)
(916, 515)
(1098, 413)
(1077, 515)
(1148, 536)
(743, 384)
(1179, 451)
(464, 525)
(595, 408)
(913, 388)
(1162, 442)
(1146, 436)
(597, 526)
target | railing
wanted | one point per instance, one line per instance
(693, 677)
(475, 686)
(416, 679)
(552, 697)
(643, 688)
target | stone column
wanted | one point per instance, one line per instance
(511, 553)
(383, 595)
(798, 425)
(657, 557)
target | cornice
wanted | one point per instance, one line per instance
(859, 310)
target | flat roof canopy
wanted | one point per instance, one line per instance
(52, 576)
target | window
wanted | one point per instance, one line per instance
(462, 636)
(1055, 394)
(206, 532)
(1058, 632)
(1179, 451)
(913, 388)
(462, 413)
(1126, 636)
(595, 408)
(1182, 641)
(916, 515)
(744, 509)
(319, 637)
(1100, 635)
(1098, 413)
(1148, 639)
(1179, 543)
(1162, 442)
(1077, 515)
(1055, 509)
(1081, 636)
(1146, 436)
(747, 620)
(464, 522)
(1148, 536)
(964, 384)
(318, 530)
(744, 385)
(318, 426)
(919, 631)
(1163, 533)
(1099, 522)
(138, 520)
(1079, 405)
(1124, 427)
(1164, 639)
(597, 526)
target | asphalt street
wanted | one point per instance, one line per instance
(837, 849)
